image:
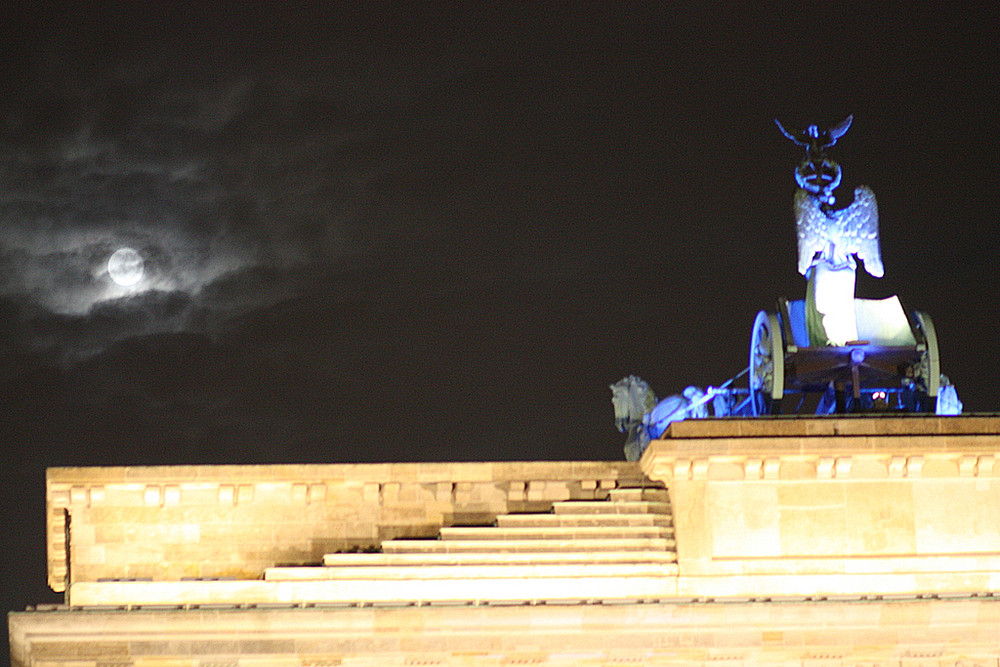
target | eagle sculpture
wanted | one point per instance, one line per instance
(815, 140)
(836, 235)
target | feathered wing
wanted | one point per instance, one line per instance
(860, 229)
(822, 140)
(795, 136)
(839, 130)
(810, 228)
(853, 230)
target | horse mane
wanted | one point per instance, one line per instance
(632, 397)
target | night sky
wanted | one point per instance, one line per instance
(437, 232)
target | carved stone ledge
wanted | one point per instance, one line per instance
(668, 469)
(918, 506)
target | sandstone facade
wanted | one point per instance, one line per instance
(823, 541)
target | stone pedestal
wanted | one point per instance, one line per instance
(827, 506)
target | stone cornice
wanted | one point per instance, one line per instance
(849, 458)
(842, 448)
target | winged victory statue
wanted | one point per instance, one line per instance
(829, 238)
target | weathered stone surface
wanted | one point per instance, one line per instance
(833, 505)
(169, 522)
(683, 634)
(891, 525)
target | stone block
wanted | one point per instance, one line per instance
(317, 493)
(940, 467)
(812, 519)
(245, 493)
(109, 532)
(793, 469)
(721, 470)
(746, 522)
(536, 491)
(59, 497)
(881, 518)
(78, 495)
(171, 494)
(442, 492)
(227, 494)
(390, 492)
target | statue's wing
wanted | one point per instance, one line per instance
(828, 137)
(810, 227)
(838, 130)
(798, 136)
(860, 221)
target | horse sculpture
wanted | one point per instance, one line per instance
(643, 418)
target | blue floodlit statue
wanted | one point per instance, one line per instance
(817, 174)
(888, 361)
(830, 238)
(643, 418)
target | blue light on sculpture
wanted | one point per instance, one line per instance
(857, 355)
(643, 418)
(875, 344)
(830, 238)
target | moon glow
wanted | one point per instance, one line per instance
(125, 267)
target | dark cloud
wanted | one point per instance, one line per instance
(255, 159)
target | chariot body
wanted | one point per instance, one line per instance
(893, 364)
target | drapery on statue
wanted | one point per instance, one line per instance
(829, 238)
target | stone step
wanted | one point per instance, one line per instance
(556, 532)
(606, 507)
(495, 558)
(635, 494)
(471, 572)
(592, 519)
(500, 546)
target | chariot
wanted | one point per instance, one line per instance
(894, 364)
(838, 352)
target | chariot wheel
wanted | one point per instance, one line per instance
(928, 369)
(767, 365)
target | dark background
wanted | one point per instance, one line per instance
(418, 232)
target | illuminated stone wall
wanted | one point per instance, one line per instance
(898, 633)
(174, 522)
(817, 541)
(804, 506)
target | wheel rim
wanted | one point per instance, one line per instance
(766, 376)
(929, 368)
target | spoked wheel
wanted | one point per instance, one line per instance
(928, 370)
(767, 365)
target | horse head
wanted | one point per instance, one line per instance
(631, 398)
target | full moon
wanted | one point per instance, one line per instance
(125, 267)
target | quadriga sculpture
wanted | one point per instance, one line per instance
(643, 418)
